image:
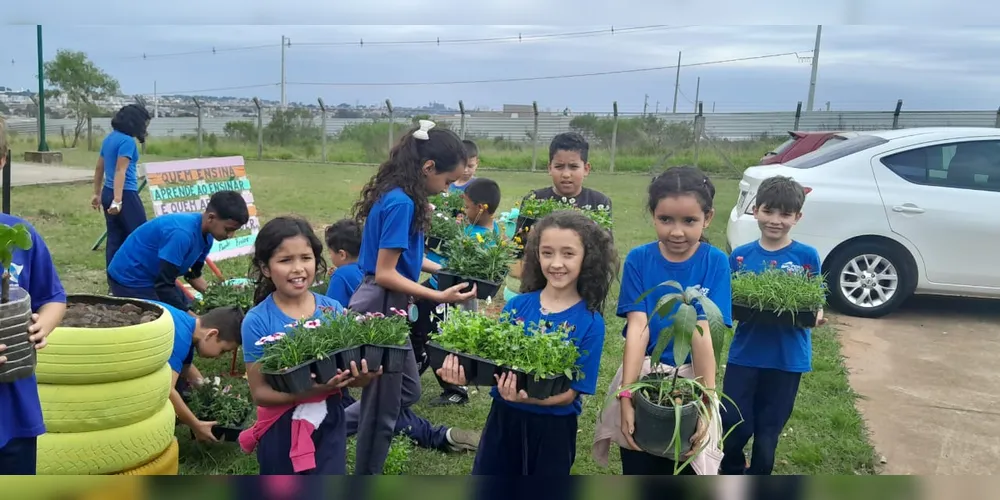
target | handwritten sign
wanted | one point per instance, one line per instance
(185, 186)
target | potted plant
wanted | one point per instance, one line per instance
(444, 228)
(474, 338)
(15, 310)
(225, 293)
(226, 401)
(447, 203)
(789, 295)
(383, 339)
(481, 259)
(600, 214)
(287, 361)
(667, 407)
(544, 361)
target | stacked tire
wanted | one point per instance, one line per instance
(105, 396)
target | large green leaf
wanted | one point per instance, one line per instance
(717, 326)
(685, 321)
(21, 237)
(670, 283)
(666, 304)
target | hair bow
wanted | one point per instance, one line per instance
(421, 134)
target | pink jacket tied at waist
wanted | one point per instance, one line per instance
(306, 417)
(609, 425)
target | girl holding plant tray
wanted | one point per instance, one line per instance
(287, 256)
(570, 264)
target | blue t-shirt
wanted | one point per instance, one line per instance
(646, 268)
(588, 335)
(267, 318)
(455, 188)
(175, 238)
(390, 226)
(184, 325)
(118, 145)
(786, 348)
(470, 230)
(344, 282)
(32, 270)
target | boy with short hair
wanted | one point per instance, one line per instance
(343, 241)
(157, 253)
(568, 167)
(472, 151)
(20, 409)
(210, 335)
(766, 362)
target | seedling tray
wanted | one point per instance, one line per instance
(801, 319)
(540, 388)
(484, 289)
(295, 380)
(478, 371)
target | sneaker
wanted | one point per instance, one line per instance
(450, 398)
(462, 440)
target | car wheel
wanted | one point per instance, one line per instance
(869, 279)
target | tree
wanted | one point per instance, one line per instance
(73, 75)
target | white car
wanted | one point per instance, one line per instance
(894, 213)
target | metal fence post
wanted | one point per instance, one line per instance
(534, 137)
(699, 130)
(461, 126)
(895, 114)
(798, 115)
(392, 123)
(38, 120)
(322, 110)
(198, 105)
(6, 182)
(614, 136)
(90, 132)
(260, 129)
(998, 118)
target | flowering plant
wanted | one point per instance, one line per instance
(380, 329)
(483, 256)
(226, 401)
(448, 203)
(445, 227)
(221, 294)
(788, 288)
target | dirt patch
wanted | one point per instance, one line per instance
(931, 391)
(106, 315)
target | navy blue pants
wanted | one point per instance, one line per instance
(640, 463)
(19, 457)
(409, 424)
(765, 398)
(519, 443)
(330, 439)
(132, 215)
(120, 290)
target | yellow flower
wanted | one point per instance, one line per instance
(479, 237)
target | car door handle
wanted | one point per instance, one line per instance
(907, 209)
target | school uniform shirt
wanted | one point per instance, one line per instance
(184, 325)
(118, 145)
(587, 197)
(344, 282)
(455, 188)
(646, 268)
(470, 230)
(174, 238)
(390, 226)
(587, 334)
(32, 270)
(787, 348)
(267, 318)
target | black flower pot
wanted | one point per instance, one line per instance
(15, 318)
(372, 355)
(484, 289)
(478, 371)
(433, 243)
(801, 319)
(654, 425)
(345, 356)
(294, 380)
(226, 433)
(325, 368)
(393, 358)
(540, 388)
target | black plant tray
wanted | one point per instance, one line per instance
(226, 434)
(433, 243)
(392, 358)
(802, 319)
(295, 380)
(325, 368)
(478, 371)
(540, 388)
(345, 356)
(484, 289)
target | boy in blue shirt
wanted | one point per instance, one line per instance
(472, 151)
(157, 253)
(20, 409)
(343, 241)
(210, 335)
(766, 362)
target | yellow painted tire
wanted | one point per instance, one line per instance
(30, 488)
(167, 464)
(96, 407)
(82, 356)
(107, 451)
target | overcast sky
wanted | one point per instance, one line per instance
(861, 67)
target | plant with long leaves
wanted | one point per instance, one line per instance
(382, 329)
(780, 290)
(222, 294)
(11, 238)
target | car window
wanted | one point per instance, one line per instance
(964, 165)
(837, 150)
(832, 141)
(783, 147)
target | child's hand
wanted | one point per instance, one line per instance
(339, 381)
(698, 439)
(361, 378)
(820, 320)
(37, 332)
(507, 386)
(628, 423)
(452, 372)
(3, 359)
(454, 294)
(203, 431)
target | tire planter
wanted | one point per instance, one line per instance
(540, 388)
(801, 319)
(478, 371)
(654, 426)
(484, 289)
(167, 464)
(84, 356)
(294, 380)
(15, 318)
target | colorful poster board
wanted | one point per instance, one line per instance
(187, 185)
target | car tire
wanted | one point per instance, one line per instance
(885, 259)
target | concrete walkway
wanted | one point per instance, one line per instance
(28, 174)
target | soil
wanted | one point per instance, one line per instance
(106, 315)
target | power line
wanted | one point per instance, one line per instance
(536, 78)
(219, 89)
(212, 51)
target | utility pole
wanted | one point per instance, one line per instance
(284, 40)
(677, 81)
(42, 145)
(156, 102)
(645, 105)
(697, 91)
(815, 69)
(657, 107)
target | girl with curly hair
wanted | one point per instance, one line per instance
(569, 265)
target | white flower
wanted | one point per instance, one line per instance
(432, 206)
(564, 199)
(572, 201)
(216, 381)
(600, 207)
(489, 300)
(312, 324)
(441, 308)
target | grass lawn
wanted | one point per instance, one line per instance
(826, 434)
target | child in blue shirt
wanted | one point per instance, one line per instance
(161, 250)
(394, 211)
(570, 263)
(766, 362)
(681, 204)
(20, 409)
(210, 335)
(287, 257)
(343, 241)
(471, 164)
